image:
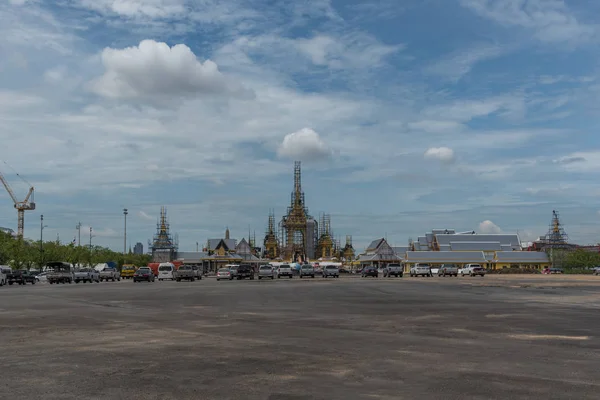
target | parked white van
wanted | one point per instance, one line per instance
(4, 271)
(166, 271)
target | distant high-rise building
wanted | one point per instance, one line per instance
(138, 248)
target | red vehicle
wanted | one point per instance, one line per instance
(552, 271)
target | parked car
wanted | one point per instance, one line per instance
(86, 275)
(233, 269)
(473, 270)
(127, 271)
(597, 271)
(21, 277)
(185, 272)
(307, 270)
(224, 273)
(244, 271)
(110, 274)
(448, 269)
(420, 269)
(144, 274)
(369, 271)
(285, 270)
(393, 270)
(42, 277)
(266, 271)
(552, 271)
(331, 270)
(166, 271)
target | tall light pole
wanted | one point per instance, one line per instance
(125, 235)
(78, 227)
(42, 226)
(90, 246)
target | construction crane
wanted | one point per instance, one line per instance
(21, 206)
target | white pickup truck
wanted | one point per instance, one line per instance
(110, 274)
(86, 275)
(472, 270)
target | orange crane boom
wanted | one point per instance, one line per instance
(21, 206)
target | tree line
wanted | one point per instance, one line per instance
(574, 259)
(30, 254)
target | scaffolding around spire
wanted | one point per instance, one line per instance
(163, 246)
(556, 236)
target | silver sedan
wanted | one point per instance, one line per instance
(224, 273)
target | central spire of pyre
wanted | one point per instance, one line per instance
(299, 229)
(163, 246)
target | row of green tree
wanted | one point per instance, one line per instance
(24, 253)
(574, 259)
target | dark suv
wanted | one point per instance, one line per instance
(244, 271)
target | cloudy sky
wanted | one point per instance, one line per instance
(406, 115)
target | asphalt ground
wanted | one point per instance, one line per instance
(350, 338)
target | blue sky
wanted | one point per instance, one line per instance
(407, 116)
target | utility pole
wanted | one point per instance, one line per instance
(125, 235)
(196, 247)
(78, 227)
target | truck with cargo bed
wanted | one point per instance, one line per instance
(59, 272)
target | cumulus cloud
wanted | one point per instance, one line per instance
(488, 226)
(443, 154)
(305, 144)
(154, 69)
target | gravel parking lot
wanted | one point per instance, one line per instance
(496, 337)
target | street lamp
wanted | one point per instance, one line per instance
(125, 235)
(42, 226)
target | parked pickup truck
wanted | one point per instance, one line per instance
(110, 274)
(185, 272)
(244, 271)
(21, 277)
(285, 270)
(86, 275)
(448, 269)
(473, 270)
(393, 270)
(331, 270)
(59, 272)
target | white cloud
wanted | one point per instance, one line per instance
(305, 144)
(443, 154)
(488, 226)
(55, 75)
(358, 50)
(459, 64)
(137, 8)
(154, 69)
(437, 126)
(14, 99)
(551, 21)
(145, 216)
